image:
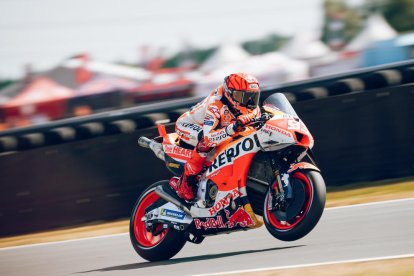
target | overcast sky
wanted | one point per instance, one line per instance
(44, 32)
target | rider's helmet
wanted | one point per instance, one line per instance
(242, 91)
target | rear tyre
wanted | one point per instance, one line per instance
(151, 247)
(305, 210)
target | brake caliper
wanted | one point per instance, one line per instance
(281, 193)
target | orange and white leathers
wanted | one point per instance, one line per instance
(204, 127)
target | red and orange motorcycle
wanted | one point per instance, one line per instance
(258, 177)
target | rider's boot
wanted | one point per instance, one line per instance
(175, 183)
(187, 187)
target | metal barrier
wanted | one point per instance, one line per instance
(356, 81)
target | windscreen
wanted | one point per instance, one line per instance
(280, 101)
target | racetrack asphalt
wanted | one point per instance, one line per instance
(344, 233)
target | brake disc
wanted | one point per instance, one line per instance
(293, 206)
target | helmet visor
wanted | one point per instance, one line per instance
(246, 99)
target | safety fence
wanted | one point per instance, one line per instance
(90, 169)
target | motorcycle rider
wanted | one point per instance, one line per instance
(213, 121)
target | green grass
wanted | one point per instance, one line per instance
(364, 192)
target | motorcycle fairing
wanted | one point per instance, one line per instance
(168, 212)
(228, 170)
(303, 165)
(231, 212)
(231, 209)
(283, 130)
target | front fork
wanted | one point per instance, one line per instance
(281, 192)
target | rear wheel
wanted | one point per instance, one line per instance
(158, 244)
(302, 212)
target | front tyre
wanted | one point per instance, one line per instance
(303, 212)
(162, 246)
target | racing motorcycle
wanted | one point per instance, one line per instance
(265, 175)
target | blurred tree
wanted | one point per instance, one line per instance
(4, 83)
(399, 13)
(341, 23)
(198, 56)
(268, 44)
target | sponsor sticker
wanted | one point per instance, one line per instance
(215, 111)
(210, 223)
(171, 149)
(277, 129)
(239, 218)
(226, 118)
(172, 213)
(227, 157)
(192, 126)
(173, 165)
(224, 202)
(184, 135)
(217, 136)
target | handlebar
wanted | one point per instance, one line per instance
(259, 121)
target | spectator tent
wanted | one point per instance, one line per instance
(376, 29)
(42, 99)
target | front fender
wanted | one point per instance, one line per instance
(303, 165)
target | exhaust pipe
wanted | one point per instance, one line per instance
(154, 146)
(159, 191)
(144, 142)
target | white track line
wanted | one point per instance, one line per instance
(311, 265)
(370, 203)
(115, 235)
(65, 241)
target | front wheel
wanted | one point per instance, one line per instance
(302, 212)
(158, 244)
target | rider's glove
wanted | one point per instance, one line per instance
(245, 119)
(235, 127)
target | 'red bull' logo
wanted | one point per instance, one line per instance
(239, 218)
(210, 223)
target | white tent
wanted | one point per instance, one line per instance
(282, 68)
(376, 29)
(134, 73)
(305, 46)
(270, 69)
(225, 54)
